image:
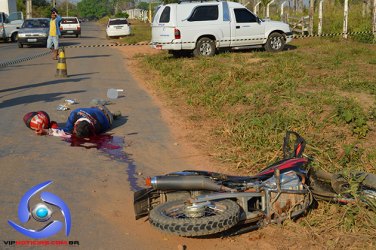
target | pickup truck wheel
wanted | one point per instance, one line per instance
(20, 45)
(204, 47)
(275, 42)
(14, 37)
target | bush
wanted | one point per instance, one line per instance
(122, 15)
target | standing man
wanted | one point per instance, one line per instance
(54, 33)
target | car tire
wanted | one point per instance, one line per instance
(205, 47)
(14, 37)
(275, 43)
(20, 45)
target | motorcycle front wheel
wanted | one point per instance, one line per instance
(190, 220)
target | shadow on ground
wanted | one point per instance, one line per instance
(51, 97)
(91, 56)
(47, 83)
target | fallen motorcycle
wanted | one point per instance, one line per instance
(199, 203)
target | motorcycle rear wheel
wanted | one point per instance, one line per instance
(172, 217)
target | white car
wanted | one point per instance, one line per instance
(205, 27)
(70, 26)
(118, 27)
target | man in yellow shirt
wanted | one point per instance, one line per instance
(54, 33)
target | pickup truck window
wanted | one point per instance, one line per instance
(244, 16)
(204, 13)
(165, 16)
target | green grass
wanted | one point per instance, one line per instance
(324, 89)
(140, 32)
(259, 95)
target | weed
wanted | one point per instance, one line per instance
(352, 114)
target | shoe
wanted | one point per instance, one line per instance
(116, 115)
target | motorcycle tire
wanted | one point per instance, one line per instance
(171, 217)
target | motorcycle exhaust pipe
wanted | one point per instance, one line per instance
(185, 183)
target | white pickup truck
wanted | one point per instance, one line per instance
(9, 25)
(205, 27)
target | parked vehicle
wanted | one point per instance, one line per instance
(118, 27)
(199, 203)
(70, 26)
(9, 25)
(8, 6)
(34, 31)
(205, 27)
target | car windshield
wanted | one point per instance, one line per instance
(34, 23)
(117, 22)
(69, 20)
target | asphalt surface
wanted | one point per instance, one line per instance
(96, 186)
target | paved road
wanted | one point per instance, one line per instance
(96, 187)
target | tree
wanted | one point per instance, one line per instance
(143, 5)
(41, 8)
(93, 8)
(72, 9)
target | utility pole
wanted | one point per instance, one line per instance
(67, 2)
(29, 9)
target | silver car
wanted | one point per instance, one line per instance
(34, 31)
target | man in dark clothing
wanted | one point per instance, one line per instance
(83, 123)
(86, 122)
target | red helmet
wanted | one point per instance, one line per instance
(37, 120)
